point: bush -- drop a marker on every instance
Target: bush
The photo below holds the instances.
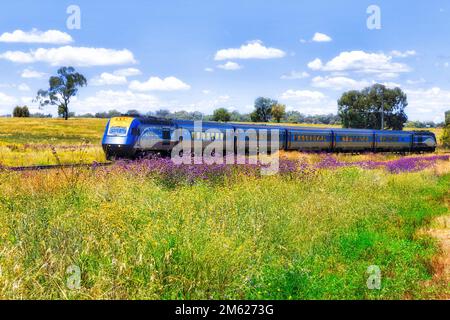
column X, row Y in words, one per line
column 446, row 136
column 221, row 115
column 21, row 112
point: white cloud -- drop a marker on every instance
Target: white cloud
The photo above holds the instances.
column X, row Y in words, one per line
column 303, row 95
column 122, row 101
column 5, row 99
column 321, row 37
column 23, row 87
column 405, row 54
column 230, row 66
column 428, row 104
column 36, row 36
column 209, row 69
column 388, row 84
column 7, row 103
column 128, row 72
column 106, row 79
column 346, row 83
column 339, row 83
column 252, row 50
column 387, row 75
column 74, row 56
column 118, row 77
column 360, row 61
column 309, row 102
column 32, row 74
column 316, row 64
column 414, row 82
column 208, row 105
column 294, row 75
column 206, row 91
column 158, row 84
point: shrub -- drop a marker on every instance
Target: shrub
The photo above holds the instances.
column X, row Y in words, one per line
column 21, row 112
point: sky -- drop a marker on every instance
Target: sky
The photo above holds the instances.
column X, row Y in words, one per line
column 202, row 55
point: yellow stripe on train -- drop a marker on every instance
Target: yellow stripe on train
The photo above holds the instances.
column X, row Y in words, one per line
column 121, row 122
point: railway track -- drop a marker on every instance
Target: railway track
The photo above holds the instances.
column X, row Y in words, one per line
column 55, row 167
column 78, row 165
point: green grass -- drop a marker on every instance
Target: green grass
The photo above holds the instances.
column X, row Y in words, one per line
column 264, row 238
column 244, row 237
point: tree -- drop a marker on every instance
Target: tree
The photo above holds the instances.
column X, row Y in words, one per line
column 263, row 109
column 363, row 109
column 21, row 112
column 221, row 115
column 278, row 112
column 61, row 89
column 133, row 113
column 107, row 115
column 162, row 113
column 446, row 134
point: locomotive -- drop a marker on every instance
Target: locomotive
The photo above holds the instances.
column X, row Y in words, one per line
column 134, row 136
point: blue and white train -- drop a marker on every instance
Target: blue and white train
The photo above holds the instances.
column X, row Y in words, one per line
column 131, row 137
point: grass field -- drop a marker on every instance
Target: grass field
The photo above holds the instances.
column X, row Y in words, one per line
column 30, row 141
column 134, row 233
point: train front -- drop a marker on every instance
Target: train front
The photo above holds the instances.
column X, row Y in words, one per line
column 120, row 137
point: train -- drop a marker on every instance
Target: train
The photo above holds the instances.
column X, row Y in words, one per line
column 134, row 136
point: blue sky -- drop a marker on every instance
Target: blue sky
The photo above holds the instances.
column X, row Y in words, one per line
column 201, row 55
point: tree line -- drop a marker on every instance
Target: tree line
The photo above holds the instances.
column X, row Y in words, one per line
column 375, row 107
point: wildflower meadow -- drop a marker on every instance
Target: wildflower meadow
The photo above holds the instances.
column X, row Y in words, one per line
column 149, row 229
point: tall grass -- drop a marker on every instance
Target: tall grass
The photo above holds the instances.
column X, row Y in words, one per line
column 245, row 237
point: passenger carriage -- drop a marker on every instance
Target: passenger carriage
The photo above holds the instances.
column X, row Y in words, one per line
column 130, row 137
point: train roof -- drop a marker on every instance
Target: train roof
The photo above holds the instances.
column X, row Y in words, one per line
column 230, row 125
